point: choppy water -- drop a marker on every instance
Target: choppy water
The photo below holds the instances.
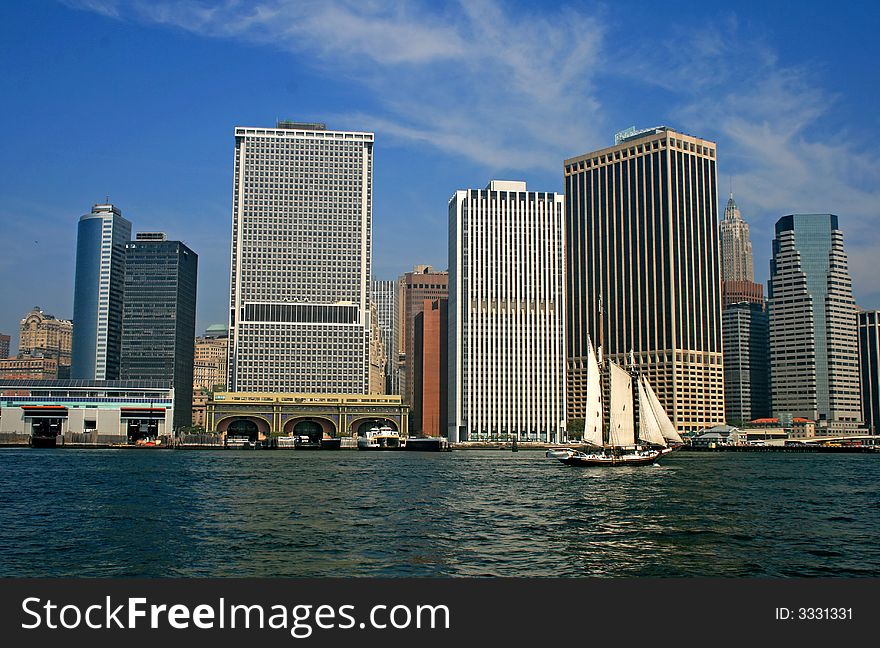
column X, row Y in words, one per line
column 106, row 513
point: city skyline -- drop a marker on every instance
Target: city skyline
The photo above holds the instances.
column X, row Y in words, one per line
column 787, row 141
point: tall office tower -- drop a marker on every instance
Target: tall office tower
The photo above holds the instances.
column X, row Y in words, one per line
column 814, row 356
column 301, row 236
column 642, row 225
column 746, row 344
column 737, row 270
column 423, row 283
column 385, row 295
column 869, row 365
column 431, row 368
column 40, row 334
column 4, row 345
column 506, row 314
column 98, row 293
column 159, row 316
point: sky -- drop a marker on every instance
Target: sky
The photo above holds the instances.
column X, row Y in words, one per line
column 135, row 101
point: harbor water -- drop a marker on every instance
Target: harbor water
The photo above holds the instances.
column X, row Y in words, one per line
column 114, row 513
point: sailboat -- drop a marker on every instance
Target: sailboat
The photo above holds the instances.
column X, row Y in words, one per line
column 657, row 435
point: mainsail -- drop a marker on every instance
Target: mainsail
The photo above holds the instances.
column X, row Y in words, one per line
column 593, row 415
column 622, row 432
column 667, row 429
column 649, row 426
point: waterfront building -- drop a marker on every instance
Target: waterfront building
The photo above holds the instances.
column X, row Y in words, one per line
column 423, row 283
column 98, row 292
column 378, row 359
column 814, row 356
column 506, row 314
column 869, row 366
column 87, row 411
column 27, row 367
column 210, row 357
column 260, row 415
column 746, row 344
column 5, row 340
column 643, row 269
column 386, row 295
column 299, row 318
column 159, row 316
column 431, row 369
column 44, row 335
column 200, row 408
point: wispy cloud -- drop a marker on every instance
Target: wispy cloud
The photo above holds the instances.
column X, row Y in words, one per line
column 519, row 90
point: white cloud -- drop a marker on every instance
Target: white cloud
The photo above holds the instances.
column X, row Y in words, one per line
column 518, row 90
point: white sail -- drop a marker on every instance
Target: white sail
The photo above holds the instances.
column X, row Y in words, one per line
column 649, row 426
column 593, row 415
column 667, row 429
column 622, row 432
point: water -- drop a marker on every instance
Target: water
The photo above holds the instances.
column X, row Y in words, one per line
column 109, row 513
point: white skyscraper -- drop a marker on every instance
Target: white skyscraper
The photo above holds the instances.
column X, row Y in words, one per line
column 506, row 314
column 301, row 237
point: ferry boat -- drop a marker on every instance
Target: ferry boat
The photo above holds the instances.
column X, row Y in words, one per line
column 305, row 442
column 240, row 442
column 381, row 438
column 657, row 437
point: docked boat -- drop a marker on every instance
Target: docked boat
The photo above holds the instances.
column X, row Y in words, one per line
column 241, row 442
column 381, row 438
column 618, row 446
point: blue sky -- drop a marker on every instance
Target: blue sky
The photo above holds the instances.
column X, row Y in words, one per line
column 137, row 101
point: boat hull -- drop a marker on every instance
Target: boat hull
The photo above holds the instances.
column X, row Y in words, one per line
column 594, row 460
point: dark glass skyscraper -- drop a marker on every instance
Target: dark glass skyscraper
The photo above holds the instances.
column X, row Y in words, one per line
column 869, row 365
column 814, row 359
column 97, row 293
column 159, row 317
column 746, row 361
column 642, row 240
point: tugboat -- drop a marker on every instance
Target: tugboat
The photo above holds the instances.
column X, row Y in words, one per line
column 657, row 436
column 381, row 438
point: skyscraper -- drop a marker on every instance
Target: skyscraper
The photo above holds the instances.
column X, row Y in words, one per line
column 746, row 341
column 386, row 296
column 869, row 365
column 159, row 317
column 423, row 283
column 506, row 314
column 744, row 324
column 301, row 237
column 813, row 331
column 4, row 346
column 642, row 241
column 431, row 368
column 98, row 292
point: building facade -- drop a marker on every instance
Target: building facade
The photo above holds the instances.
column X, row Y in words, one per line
column 88, row 411
column 814, row 356
column 44, row 335
column 506, row 314
column 25, row 367
column 869, row 368
column 431, row 369
column 378, row 359
column 159, row 316
column 737, row 268
column 643, row 269
column 746, row 342
column 423, row 283
column 386, row 296
column 4, row 346
column 209, row 366
column 301, row 245
column 98, row 293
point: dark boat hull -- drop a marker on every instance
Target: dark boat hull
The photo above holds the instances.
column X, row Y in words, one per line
column 615, row 460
